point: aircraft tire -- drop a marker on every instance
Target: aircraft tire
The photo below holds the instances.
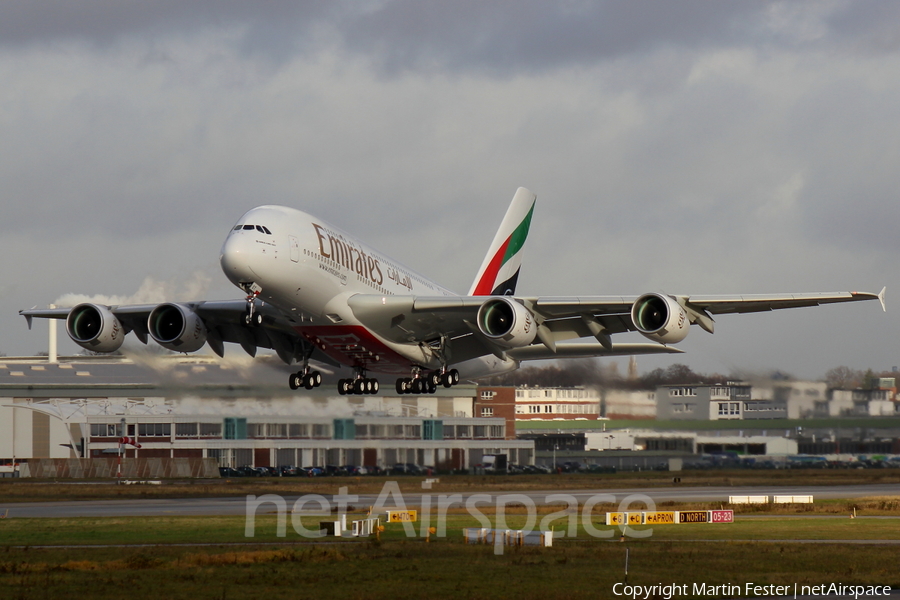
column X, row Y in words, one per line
column 342, row 390
column 317, row 378
column 374, row 387
column 292, row 381
column 454, row 376
column 359, row 386
column 401, row 385
column 309, row 381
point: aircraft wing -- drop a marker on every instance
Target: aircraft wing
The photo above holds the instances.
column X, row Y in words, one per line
column 425, row 319
column 761, row 302
column 224, row 321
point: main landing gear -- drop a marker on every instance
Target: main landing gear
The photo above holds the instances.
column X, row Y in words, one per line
column 305, row 379
column 358, row 385
column 427, row 383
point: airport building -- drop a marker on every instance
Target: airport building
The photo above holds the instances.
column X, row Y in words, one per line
column 577, row 403
column 774, row 400
column 692, row 402
column 238, row 412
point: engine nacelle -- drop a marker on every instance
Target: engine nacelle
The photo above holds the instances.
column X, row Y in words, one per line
column 95, row 328
column 507, row 323
column 660, row 318
column 176, row 327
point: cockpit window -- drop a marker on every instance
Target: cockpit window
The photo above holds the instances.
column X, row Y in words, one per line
column 259, row 228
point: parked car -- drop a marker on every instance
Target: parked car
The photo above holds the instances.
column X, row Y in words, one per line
column 355, row 470
column 228, row 472
column 537, row 469
column 288, row 471
column 600, row 469
column 313, row 471
column 406, row 469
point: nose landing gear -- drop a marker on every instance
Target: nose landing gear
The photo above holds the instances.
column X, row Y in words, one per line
column 251, row 317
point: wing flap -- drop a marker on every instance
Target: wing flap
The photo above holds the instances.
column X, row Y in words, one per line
column 588, row 350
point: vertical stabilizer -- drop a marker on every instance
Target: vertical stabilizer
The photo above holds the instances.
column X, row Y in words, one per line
column 500, row 270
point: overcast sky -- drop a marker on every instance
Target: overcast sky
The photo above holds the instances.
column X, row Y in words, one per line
column 682, row 147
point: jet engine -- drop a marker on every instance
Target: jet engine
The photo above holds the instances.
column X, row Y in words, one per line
column 95, row 328
column 506, row 323
column 176, row 327
column 660, row 318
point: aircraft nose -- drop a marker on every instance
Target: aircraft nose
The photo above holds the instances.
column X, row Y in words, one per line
column 237, row 256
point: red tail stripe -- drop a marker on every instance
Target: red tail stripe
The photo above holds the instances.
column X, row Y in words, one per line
column 486, row 283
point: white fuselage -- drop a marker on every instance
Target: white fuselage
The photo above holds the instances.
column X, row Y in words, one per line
column 308, row 269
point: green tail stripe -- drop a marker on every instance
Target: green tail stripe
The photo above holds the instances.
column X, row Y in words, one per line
column 517, row 239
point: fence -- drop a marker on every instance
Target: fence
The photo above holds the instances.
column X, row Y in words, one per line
column 132, row 468
column 748, row 499
column 792, row 499
column 775, row 499
column 508, row 537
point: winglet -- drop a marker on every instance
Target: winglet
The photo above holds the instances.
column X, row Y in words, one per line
column 28, row 318
column 881, row 298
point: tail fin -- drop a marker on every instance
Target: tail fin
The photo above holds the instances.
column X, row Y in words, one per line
column 500, row 270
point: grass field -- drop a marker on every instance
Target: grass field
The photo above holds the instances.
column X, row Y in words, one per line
column 209, row 557
column 88, row 531
column 221, row 563
column 414, row 569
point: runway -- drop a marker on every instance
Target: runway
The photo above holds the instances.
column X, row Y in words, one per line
column 310, row 503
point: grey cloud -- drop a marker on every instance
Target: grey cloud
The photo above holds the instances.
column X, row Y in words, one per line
column 106, row 21
column 868, row 26
column 504, row 37
column 513, row 36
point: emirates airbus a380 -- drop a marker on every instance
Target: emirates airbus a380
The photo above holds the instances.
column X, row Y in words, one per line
column 316, row 293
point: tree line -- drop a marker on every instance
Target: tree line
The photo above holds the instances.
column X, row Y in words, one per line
column 592, row 373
